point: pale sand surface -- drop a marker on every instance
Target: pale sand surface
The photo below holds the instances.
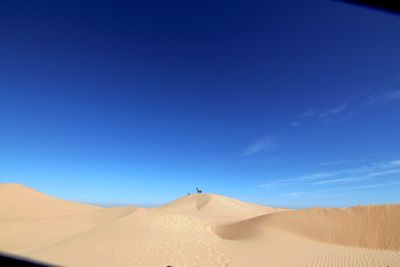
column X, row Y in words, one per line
column 196, row 230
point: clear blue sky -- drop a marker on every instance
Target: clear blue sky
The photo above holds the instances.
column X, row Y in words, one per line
column 274, row 102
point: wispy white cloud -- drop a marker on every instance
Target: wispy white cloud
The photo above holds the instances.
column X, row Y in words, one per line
column 320, row 114
column 351, row 106
column 382, row 96
column 308, row 113
column 362, row 173
column 395, row 162
column 264, row 144
column 317, row 175
column 332, row 111
column 340, row 180
column 393, row 94
column 346, row 161
column 265, row 186
column 374, row 185
column 295, row 194
column 309, row 195
column 380, row 173
column 338, row 109
column 296, row 180
column 327, row 192
column 296, row 123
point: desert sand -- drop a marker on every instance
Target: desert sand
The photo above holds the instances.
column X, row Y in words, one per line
column 195, row 230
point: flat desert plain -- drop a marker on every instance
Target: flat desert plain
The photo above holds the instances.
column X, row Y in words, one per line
column 195, row 230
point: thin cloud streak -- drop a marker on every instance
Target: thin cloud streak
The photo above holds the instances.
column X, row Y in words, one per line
column 338, row 109
column 295, row 123
column 351, row 106
column 338, row 180
column 370, row 171
column 375, row 185
column 264, row 144
column 328, row 192
column 380, row 173
column 332, row 111
column 316, row 176
column 386, row 95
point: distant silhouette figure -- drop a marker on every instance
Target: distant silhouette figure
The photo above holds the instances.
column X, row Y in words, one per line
column 188, row 193
column 199, row 191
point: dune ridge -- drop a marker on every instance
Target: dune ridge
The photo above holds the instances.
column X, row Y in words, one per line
column 18, row 201
column 216, row 208
column 374, row 227
column 195, row 230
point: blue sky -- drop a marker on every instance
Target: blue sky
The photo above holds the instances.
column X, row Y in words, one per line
column 276, row 103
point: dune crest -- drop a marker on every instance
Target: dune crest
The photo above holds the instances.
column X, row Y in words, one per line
column 19, row 201
column 217, row 208
column 195, row 230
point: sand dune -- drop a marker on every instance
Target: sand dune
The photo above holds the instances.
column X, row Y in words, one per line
column 196, row 230
column 28, row 234
column 217, row 208
column 18, row 201
column 375, row 227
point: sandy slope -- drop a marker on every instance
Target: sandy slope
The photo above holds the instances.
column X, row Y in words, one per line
column 18, row 201
column 375, row 227
column 216, row 208
column 196, row 230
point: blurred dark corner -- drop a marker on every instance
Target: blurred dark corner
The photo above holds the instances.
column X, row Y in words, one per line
column 392, row 6
column 7, row 260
